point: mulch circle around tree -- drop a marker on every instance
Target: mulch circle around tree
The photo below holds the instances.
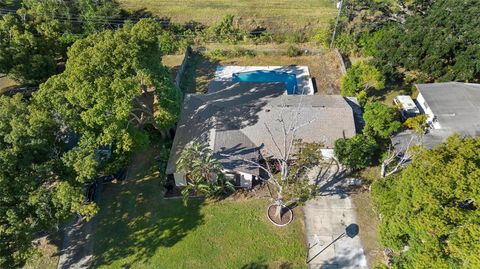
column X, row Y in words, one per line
column 286, row 216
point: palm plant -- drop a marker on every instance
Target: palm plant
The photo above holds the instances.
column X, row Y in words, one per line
column 203, row 172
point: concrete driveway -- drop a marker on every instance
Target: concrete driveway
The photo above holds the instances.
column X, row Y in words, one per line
column 326, row 218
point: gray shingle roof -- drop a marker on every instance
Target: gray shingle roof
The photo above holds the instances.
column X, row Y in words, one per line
column 233, row 117
column 456, row 105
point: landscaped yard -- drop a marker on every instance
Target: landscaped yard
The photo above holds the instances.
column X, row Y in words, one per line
column 138, row 228
column 278, row 15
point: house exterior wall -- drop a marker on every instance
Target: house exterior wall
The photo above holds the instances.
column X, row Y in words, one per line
column 327, row 153
column 180, row 179
column 428, row 111
column 245, row 180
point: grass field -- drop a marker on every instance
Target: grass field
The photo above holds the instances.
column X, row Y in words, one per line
column 276, row 15
column 138, row 228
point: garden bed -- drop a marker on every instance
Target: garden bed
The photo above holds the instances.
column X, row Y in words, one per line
column 286, row 215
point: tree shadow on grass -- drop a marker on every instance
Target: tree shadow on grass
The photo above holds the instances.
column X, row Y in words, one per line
column 135, row 221
column 200, row 70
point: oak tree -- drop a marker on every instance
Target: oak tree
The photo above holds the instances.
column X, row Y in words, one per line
column 429, row 211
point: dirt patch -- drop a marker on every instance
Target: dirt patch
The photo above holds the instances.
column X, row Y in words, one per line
column 46, row 252
column 286, row 215
column 6, row 83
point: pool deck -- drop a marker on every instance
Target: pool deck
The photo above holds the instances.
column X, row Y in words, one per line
column 305, row 85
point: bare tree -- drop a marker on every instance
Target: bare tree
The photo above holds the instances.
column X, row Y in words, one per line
column 402, row 156
column 282, row 152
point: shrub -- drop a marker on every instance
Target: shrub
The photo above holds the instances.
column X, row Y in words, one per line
column 225, row 31
column 357, row 152
column 322, row 37
column 345, row 43
column 169, row 42
column 362, row 76
column 417, row 123
column 380, row 120
column 237, row 52
column 293, row 51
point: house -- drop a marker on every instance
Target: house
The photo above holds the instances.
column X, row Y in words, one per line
column 237, row 120
column 451, row 107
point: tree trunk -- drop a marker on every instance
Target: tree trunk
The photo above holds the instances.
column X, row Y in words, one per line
column 279, row 210
column 284, row 168
column 382, row 170
column 163, row 134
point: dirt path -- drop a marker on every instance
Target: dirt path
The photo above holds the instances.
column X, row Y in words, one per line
column 77, row 245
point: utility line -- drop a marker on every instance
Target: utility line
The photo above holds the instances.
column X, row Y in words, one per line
column 119, row 22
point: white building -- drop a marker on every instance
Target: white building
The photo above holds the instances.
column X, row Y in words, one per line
column 451, row 106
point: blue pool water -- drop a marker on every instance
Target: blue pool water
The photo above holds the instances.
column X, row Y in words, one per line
column 290, row 80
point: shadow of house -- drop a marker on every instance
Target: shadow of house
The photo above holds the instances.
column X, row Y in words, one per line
column 154, row 223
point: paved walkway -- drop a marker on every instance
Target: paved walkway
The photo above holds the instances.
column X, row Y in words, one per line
column 326, row 218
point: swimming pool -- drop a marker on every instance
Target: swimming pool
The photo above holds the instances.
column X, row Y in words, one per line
column 290, row 80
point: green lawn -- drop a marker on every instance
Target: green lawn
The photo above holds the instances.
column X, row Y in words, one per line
column 137, row 228
column 277, row 15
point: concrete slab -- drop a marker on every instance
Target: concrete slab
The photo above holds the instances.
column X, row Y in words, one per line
column 304, row 81
column 326, row 218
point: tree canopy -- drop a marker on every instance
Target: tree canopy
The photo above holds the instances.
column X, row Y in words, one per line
column 423, row 40
column 357, row 152
column 34, row 39
column 429, row 212
column 113, row 85
column 380, row 120
column 360, row 78
column 37, row 190
column 29, row 47
column 203, row 172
